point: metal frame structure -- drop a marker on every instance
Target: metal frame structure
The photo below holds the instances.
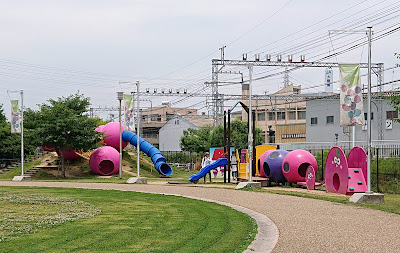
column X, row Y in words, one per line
column 217, row 65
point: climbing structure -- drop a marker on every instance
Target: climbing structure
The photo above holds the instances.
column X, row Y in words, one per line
column 346, row 175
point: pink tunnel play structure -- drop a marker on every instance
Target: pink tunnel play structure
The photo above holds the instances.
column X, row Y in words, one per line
column 111, row 134
column 104, row 161
column 346, row 175
column 295, row 164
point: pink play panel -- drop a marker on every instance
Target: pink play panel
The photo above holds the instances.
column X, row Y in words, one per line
column 346, row 176
column 336, row 171
column 357, row 182
column 310, row 178
column 358, row 159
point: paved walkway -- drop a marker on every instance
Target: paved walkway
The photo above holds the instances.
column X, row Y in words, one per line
column 305, row 225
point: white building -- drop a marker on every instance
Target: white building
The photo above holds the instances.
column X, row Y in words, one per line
column 172, row 131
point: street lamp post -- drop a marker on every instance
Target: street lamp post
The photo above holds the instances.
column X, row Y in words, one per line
column 120, row 96
column 138, row 131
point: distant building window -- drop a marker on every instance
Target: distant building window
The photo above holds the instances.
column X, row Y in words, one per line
column 296, row 91
column 281, row 115
column 292, row 115
column 366, row 117
column 314, row 121
column 392, row 115
column 329, row 119
column 145, row 118
column 301, row 115
column 169, row 116
column 261, row 116
column 271, row 115
column 155, row 117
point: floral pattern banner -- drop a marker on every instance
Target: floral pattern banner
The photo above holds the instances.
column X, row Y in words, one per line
column 351, row 98
column 129, row 117
column 15, row 117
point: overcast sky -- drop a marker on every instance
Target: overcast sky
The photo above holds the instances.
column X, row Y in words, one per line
column 55, row 48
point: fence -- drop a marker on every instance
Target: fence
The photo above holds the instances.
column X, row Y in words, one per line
column 385, row 162
column 182, row 159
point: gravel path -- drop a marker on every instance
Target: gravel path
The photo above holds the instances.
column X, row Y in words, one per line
column 305, row 225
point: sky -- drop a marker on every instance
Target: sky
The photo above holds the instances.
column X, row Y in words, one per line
column 52, row 49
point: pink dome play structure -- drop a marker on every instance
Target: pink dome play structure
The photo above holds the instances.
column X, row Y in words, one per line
column 104, row 161
column 295, row 164
column 69, row 154
column 346, row 175
column 261, row 162
column 99, row 128
column 111, row 135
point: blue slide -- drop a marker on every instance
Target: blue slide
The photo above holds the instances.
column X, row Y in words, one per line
column 160, row 162
column 206, row 169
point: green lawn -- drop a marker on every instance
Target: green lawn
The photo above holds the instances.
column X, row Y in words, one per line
column 117, row 221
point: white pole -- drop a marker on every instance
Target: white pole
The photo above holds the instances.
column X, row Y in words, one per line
column 22, row 132
column 138, row 131
column 250, row 138
column 369, row 113
column 353, row 136
column 120, row 138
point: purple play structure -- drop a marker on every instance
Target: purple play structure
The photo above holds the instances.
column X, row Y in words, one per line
column 295, row 165
column 104, row 161
column 262, row 160
column 273, row 166
column 346, row 175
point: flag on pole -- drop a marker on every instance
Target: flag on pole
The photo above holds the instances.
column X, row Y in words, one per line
column 15, row 117
column 129, row 109
column 351, row 99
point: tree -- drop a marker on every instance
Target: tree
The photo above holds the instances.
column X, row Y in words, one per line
column 64, row 125
column 196, row 140
column 200, row 140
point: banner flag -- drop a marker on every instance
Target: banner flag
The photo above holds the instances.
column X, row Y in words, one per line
column 129, row 117
column 351, row 98
column 15, row 117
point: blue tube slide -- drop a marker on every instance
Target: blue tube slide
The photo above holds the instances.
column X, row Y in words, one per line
column 206, row 169
column 160, row 163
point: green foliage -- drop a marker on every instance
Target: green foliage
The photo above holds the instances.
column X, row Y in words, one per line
column 181, row 157
column 200, row 140
column 63, row 124
column 196, row 140
column 10, row 144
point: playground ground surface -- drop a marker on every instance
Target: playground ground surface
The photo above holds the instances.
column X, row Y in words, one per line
column 305, row 224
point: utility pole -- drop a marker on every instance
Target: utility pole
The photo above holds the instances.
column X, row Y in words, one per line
column 22, row 132
column 369, row 135
column 250, row 137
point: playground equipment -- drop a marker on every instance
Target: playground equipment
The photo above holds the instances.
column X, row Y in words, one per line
column 104, row 161
column 69, row 154
column 261, row 160
column 111, row 134
column 295, row 165
column 160, row 162
column 243, row 163
column 346, row 175
column 203, row 172
column 273, row 166
column 260, row 150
